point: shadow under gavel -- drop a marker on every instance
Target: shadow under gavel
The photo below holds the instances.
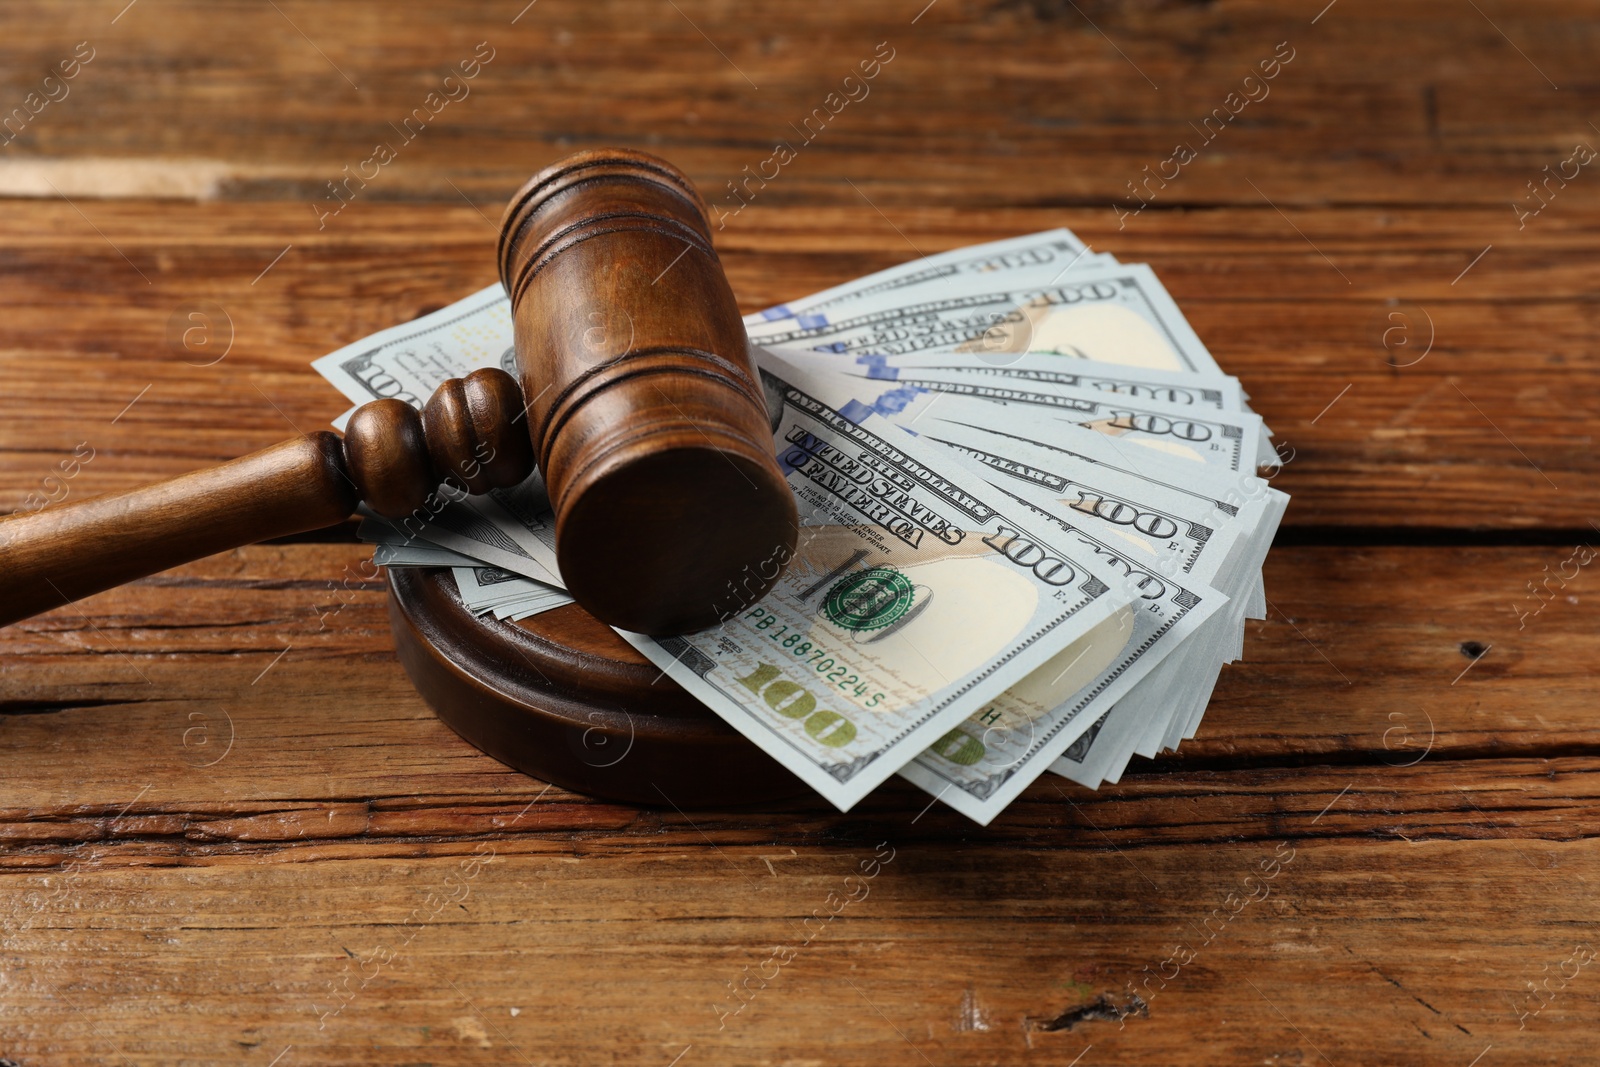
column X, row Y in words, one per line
column 653, row 440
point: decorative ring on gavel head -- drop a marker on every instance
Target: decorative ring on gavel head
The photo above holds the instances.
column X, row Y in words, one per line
column 645, row 413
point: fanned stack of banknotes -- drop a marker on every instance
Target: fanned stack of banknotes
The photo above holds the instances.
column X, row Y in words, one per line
column 1032, row 523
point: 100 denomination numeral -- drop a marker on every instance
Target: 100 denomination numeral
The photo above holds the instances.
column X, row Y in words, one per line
column 1014, row 546
column 1160, row 424
column 1125, row 514
column 792, row 701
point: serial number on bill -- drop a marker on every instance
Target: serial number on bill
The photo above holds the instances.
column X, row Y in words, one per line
column 794, row 642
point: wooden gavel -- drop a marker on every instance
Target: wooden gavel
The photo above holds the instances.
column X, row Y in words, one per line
column 654, row 442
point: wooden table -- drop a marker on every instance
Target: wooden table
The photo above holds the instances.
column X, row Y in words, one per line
column 233, row 833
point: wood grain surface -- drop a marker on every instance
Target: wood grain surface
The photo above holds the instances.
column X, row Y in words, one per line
column 232, row 832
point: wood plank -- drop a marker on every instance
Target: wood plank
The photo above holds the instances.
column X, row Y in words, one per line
column 1381, row 104
column 572, row 946
column 1488, row 428
column 1538, row 802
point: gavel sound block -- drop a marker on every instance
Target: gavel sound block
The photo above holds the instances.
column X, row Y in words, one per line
column 640, row 407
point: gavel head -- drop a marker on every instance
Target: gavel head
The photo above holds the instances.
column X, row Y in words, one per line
column 645, row 414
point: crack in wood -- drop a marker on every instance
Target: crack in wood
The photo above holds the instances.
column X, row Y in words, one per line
column 51, row 707
column 1101, row 1009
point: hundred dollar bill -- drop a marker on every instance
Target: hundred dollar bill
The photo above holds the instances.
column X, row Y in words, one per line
column 533, row 604
column 528, row 505
column 1036, row 453
column 1166, row 528
column 1116, row 314
column 1099, row 755
column 1158, row 537
column 980, row 766
column 1203, row 391
column 1124, row 736
column 1193, row 534
column 476, row 527
column 482, row 588
column 1178, row 546
column 385, row 554
column 406, row 543
column 1079, row 468
column 487, row 590
column 1261, row 506
column 524, row 609
column 409, row 361
column 1225, row 439
column 479, row 526
column 1270, row 504
column 969, row 424
column 1112, row 314
column 1057, row 251
column 917, row 594
column 1077, row 753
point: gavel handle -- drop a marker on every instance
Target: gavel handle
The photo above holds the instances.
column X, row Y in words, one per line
column 61, row 554
column 391, row 456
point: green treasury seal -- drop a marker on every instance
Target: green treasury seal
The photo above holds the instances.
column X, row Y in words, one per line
column 870, row 599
